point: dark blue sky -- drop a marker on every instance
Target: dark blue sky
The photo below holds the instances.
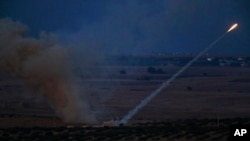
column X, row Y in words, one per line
column 137, row 26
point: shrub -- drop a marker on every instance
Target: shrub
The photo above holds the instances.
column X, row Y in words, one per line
column 123, row 72
column 189, row 88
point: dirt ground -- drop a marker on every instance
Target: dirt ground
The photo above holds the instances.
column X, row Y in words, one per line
column 200, row 92
column 201, row 104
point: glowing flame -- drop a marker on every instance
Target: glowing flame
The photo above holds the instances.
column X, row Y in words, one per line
column 232, row 27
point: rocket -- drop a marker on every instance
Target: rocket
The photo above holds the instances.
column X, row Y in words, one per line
column 232, row 27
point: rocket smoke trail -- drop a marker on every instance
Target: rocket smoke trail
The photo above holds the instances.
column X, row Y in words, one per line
column 131, row 113
column 45, row 68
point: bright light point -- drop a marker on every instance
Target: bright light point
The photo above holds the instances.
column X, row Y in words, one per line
column 232, row 27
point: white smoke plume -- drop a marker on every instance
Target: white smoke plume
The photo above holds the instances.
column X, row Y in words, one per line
column 44, row 66
column 146, row 100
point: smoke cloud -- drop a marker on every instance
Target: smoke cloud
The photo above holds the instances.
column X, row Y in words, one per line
column 44, row 66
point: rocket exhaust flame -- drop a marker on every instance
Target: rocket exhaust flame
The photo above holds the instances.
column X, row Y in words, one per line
column 132, row 112
column 232, row 27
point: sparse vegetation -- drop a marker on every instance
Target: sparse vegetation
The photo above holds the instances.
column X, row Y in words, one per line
column 123, row 72
column 189, row 88
column 153, row 70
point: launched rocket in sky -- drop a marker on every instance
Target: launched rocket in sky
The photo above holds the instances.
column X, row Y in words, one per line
column 146, row 100
column 232, row 27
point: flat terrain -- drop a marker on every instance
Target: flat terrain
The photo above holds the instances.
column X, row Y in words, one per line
column 179, row 130
column 200, row 92
column 211, row 98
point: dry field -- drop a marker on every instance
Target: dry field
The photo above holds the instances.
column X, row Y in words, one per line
column 179, row 130
column 200, row 92
column 200, row 104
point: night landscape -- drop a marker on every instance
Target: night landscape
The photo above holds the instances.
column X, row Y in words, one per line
column 123, row 70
